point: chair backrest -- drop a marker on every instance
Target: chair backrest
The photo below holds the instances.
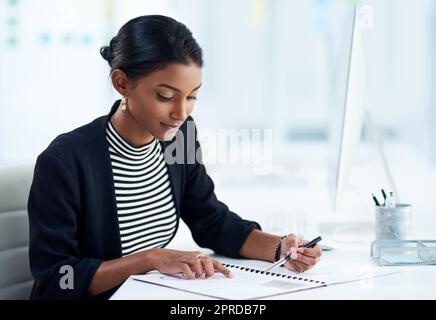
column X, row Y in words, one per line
column 15, row 278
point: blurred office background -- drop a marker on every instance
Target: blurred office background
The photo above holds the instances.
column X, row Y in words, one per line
column 269, row 64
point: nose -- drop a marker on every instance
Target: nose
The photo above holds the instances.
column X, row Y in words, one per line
column 179, row 112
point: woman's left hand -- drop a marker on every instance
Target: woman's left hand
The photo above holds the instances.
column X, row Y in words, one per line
column 302, row 259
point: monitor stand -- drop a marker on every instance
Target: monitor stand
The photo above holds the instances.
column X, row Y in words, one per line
column 353, row 219
column 377, row 140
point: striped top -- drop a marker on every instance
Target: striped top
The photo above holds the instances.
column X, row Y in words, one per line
column 146, row 211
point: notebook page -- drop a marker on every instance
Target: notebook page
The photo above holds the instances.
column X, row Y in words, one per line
column 244, row 285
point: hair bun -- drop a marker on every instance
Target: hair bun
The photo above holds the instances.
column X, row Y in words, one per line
column 106, row 53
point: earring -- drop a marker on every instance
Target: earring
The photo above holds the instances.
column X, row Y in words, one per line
column 124, row 105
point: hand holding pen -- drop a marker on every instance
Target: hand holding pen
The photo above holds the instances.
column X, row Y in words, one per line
column 299, row 256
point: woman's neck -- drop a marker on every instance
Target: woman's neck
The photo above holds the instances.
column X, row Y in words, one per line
column 129, row 129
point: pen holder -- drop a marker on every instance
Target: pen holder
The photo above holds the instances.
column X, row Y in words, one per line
column 393, row 223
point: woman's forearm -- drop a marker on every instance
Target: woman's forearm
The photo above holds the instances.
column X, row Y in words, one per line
column 259, row 245
column 112, row 273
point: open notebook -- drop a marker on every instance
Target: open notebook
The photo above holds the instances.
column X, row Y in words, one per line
column 247, row 283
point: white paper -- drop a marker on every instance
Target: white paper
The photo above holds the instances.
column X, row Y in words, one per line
column 244, row 284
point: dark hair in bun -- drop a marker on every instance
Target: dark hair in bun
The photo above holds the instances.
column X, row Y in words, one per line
column 149, row 43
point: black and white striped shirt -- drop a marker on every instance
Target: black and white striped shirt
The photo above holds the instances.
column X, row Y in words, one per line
column 146, row 211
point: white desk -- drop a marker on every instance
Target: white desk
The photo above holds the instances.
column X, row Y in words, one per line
column 238, row 191
column 413, row 282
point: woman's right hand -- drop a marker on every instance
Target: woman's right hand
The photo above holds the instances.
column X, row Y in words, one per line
column 191, row 263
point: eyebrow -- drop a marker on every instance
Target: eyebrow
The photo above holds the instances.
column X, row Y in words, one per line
column 175, row 89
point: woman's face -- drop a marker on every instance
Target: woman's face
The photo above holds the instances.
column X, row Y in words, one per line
column 160, row 102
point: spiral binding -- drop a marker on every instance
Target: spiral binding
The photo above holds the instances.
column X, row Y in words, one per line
column 268, row 273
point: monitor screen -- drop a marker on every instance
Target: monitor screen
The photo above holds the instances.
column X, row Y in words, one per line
column 348, row 113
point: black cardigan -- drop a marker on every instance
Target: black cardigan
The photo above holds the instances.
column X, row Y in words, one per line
column 73, row 215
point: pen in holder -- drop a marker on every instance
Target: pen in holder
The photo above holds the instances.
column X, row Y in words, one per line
column 393, row 223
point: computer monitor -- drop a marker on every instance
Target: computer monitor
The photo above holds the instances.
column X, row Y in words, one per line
column 349, row 111
column 347, row 103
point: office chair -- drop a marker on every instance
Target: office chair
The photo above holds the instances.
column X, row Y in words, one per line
column 15, row 278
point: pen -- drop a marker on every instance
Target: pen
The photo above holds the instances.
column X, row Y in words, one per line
column 310, row 244
column 390, row 201
column 384, row 196
column 375, row 200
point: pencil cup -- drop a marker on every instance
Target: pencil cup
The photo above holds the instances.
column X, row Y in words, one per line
column 393, row 223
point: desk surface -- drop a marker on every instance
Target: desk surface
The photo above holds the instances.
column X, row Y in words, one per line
column 411, row 282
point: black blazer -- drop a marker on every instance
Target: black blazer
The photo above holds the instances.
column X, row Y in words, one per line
column 73, row 215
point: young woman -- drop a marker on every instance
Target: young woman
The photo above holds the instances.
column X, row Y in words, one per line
column 105, row 201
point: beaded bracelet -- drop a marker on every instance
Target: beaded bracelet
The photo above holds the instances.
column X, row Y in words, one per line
column 278, row 249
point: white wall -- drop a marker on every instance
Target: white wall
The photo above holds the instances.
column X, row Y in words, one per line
column 267, row 65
